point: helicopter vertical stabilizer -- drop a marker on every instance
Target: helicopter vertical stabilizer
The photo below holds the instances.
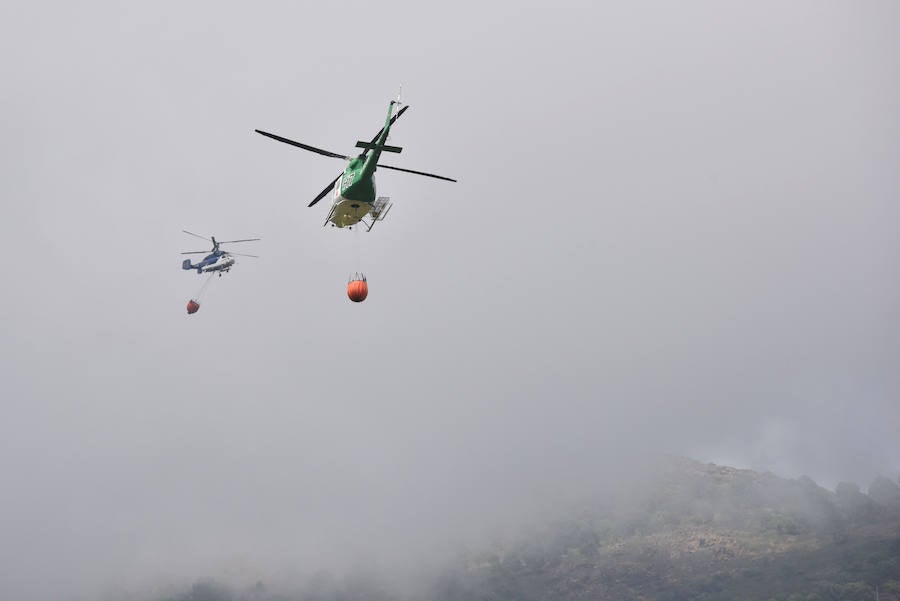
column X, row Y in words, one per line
column 187, row 264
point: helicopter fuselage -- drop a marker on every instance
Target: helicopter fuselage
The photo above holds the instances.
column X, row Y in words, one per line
column 223, row 264
column 354, row 195
column 216, row 261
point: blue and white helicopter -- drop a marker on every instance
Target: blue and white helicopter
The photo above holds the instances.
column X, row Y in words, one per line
column 216, row 260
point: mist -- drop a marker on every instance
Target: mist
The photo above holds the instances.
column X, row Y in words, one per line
column 674, row 232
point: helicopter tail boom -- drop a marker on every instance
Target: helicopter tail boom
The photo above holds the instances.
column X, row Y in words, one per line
column 186, row 265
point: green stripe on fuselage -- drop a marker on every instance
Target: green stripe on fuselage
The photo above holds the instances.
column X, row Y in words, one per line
column 358, row 182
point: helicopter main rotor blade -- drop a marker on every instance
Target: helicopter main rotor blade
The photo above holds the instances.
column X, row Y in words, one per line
column 326, row 190
column 378, row 135
column 327, row 153
column 197, row 235
column 244, row 255
column 417, row 172
column 196, row 252
column 245, row 240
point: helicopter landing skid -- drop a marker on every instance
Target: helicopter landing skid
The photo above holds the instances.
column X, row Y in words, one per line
column 380, row 209
column 330, row 215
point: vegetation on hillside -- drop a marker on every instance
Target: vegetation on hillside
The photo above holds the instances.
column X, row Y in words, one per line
column 697, row 532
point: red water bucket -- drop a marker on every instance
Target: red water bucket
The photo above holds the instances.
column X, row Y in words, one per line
column 357, row 288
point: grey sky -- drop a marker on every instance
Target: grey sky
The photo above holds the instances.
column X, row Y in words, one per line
column 675, row 231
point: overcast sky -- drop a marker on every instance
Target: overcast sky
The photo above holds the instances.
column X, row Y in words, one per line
column 675, row 231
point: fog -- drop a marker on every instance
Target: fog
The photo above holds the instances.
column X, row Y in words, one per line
column 675, row 231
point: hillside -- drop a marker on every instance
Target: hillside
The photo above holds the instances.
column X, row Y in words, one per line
column 693, row 531
column 703, row 532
